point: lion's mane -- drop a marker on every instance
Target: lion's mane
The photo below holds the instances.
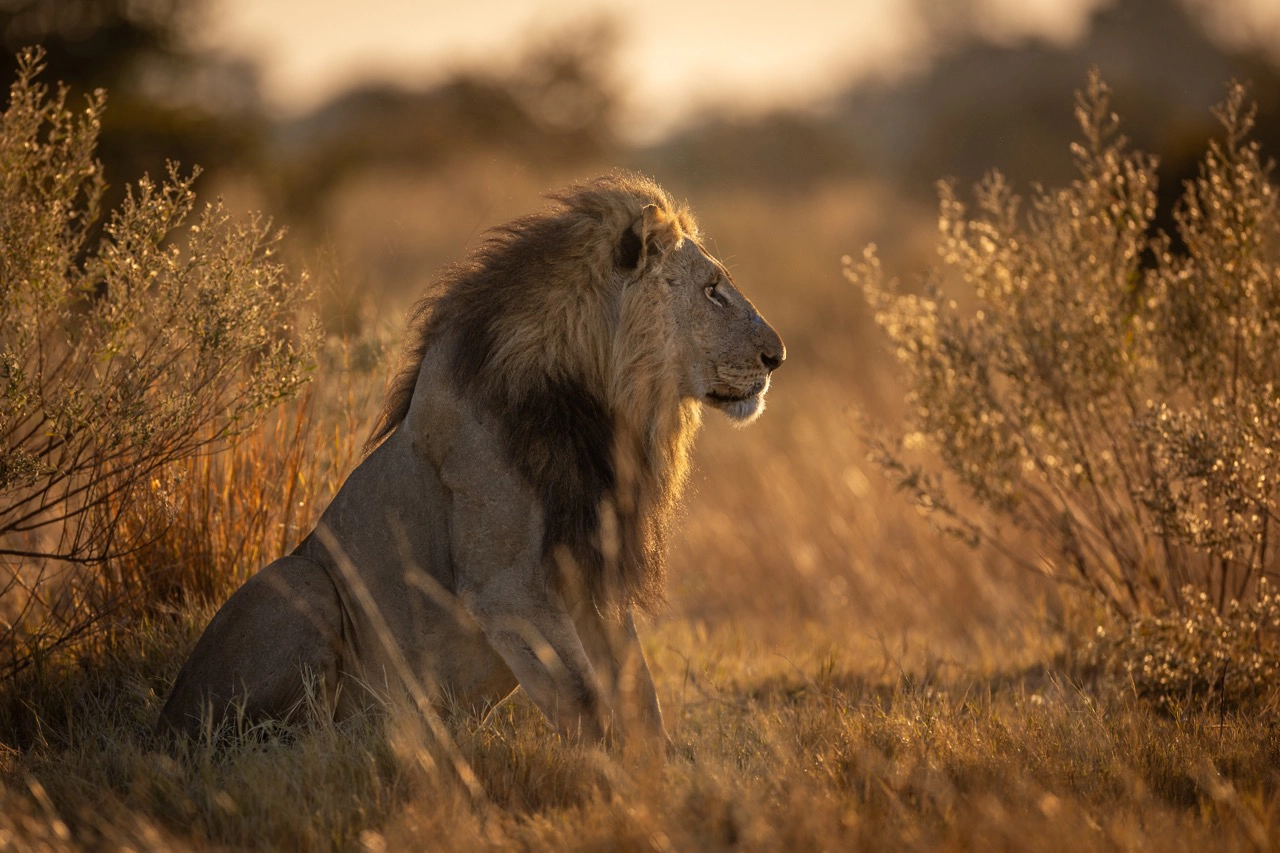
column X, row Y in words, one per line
column 542, row 332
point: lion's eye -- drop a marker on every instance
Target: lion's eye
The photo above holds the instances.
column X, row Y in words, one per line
column 711, row 294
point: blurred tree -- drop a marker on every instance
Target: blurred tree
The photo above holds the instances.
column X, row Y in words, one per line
column 555, row 104
column 982, row 104
column 978, row 100
column 94, row 43
column 784, row 149
column 565, row 83
column 168, row 101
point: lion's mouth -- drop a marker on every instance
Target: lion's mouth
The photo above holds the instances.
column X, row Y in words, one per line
column 741, row 407
column 716, row 397
column 738, row 396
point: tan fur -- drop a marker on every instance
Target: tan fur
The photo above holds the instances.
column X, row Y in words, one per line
column 519, row 484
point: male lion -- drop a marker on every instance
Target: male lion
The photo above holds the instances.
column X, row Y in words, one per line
column 511, row 513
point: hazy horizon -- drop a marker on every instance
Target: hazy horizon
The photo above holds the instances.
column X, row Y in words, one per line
column 674, row 59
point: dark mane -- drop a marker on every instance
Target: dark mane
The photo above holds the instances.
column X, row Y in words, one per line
column 471, row 295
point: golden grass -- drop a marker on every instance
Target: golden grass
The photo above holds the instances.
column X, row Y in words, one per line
column 818, row 743
column 226, row 515
column 834, row 675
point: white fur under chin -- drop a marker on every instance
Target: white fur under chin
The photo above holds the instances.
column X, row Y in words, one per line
column 743, row 412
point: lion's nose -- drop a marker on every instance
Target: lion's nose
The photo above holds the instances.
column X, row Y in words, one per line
column 773, row 360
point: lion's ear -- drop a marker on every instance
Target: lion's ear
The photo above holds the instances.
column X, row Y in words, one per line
column 630, row 248
column 649, row 239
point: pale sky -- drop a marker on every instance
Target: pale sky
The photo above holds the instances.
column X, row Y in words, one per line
column 674, row 54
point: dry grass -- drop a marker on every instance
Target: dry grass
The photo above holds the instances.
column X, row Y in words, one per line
column 816, row 743
column 228, row 514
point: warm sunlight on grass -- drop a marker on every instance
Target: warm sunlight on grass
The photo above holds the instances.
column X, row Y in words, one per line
column 814, row 742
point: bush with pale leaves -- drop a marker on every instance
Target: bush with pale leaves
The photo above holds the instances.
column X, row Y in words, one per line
column 1083, row 380
column 165, row 334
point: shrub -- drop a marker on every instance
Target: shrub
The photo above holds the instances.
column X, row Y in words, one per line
column 1082, row 379
column 1200, row 654
column 123, row 353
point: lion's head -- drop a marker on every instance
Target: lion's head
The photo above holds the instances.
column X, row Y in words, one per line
column 718, row 349
column 592, row 333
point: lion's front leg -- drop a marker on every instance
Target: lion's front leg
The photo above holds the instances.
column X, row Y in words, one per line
column 623, row 673
column 496, row 532
column 541, row 645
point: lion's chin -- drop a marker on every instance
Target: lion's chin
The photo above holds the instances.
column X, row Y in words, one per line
column 742, row 410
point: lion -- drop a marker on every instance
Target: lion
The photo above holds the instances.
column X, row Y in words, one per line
column 508, row 517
